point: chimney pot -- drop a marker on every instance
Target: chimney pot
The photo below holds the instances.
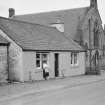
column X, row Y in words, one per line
column 93, row 3
column 11, row 12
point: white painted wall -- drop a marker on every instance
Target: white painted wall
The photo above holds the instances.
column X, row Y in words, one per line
column 51, row 65
column 32, row 73
column 29, row 67
column 65, row 67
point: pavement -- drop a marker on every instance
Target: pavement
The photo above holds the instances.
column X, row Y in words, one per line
column 15, row 90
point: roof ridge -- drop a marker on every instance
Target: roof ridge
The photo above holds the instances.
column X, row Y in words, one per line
column 51, row 11
column 26, row 22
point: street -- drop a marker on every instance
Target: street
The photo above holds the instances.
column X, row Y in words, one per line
column 84, row 94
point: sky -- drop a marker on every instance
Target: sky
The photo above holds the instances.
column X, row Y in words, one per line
column 35, row 6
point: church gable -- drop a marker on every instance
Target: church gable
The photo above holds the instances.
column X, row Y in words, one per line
column 92, row 26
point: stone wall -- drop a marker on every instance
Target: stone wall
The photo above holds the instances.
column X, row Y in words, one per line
column 15, row 60
column 67, row 69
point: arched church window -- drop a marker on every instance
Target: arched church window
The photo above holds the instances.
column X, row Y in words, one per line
column 96, row 34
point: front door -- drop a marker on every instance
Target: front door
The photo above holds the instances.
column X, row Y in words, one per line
column 56, row 64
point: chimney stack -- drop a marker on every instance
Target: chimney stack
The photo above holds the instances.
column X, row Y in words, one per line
column 11, row 12
column 93, row 3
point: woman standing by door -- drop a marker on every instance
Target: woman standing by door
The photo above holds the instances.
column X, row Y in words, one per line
column 45, row 71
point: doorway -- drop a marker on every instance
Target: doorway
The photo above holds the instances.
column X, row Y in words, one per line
column 56, row 64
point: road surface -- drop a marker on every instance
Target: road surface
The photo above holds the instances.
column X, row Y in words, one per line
column 84, row 94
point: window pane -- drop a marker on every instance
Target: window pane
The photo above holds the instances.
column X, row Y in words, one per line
column 37, row 63
column 37, row 55
column 44, row 61
column 75, row 58
column 44, row 56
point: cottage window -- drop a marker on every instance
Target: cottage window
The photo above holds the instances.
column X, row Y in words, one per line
column 71, row 58
column 40, row 58
column 74, row 58
column 44, row 58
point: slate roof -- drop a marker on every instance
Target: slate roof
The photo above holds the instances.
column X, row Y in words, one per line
column 72, row 19
column 3, row 40
column 36, row 37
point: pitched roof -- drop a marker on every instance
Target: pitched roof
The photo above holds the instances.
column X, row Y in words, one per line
column 36, row 37
column 3, row 40
column 72, row 19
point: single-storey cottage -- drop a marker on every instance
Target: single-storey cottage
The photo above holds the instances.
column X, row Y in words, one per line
column 32, row 44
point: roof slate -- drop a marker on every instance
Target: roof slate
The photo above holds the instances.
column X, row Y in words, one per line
column 3, row 40
column 72, row 19
column 36, row 37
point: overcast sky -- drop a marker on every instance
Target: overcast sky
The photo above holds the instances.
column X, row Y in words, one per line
column 35, row 6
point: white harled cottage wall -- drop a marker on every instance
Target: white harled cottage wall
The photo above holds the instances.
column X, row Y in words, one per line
column 29, row 66
column 51, row 65
column 15, row 60
column 65, row 67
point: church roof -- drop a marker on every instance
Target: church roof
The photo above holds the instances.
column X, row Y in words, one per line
column 36, row 37
column 72, row 19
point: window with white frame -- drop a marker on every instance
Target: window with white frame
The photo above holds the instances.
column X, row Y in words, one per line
column 74, row 58
column 40, row 58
